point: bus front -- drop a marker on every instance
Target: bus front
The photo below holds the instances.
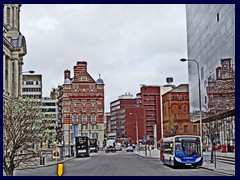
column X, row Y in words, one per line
column 187, row 151
column 93, row 145
column 82, row 146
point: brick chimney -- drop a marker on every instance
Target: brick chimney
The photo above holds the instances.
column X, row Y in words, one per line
column 80, row 67
column 67, row 74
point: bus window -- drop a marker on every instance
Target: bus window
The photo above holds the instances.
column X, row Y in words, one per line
column 191, row 148
column 167, row 148
column 178, row 150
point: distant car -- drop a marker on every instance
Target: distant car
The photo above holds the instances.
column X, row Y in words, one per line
column 130, row 149
column 118, row 148
column 110, row 149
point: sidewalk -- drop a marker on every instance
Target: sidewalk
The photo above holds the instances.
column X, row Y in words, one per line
column 49, row 162
column 220, row 166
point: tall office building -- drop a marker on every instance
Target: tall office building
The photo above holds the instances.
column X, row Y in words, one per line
column 210, row 38
column 211, row 43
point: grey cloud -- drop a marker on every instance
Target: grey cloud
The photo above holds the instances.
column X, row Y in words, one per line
column 128, row 45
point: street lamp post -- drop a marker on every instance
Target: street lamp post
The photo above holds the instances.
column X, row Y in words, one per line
column 31, row 72
column 136, row 128
column 199, row 86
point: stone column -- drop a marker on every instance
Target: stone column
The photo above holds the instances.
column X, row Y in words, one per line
column 16, row 78
column 9, row 78
column 15, row 18
column 20, row 76
column 4, row 83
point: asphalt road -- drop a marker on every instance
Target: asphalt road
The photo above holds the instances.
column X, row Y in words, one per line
column 121, row 163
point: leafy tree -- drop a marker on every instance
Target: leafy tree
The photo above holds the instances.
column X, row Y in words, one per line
column 22, row 130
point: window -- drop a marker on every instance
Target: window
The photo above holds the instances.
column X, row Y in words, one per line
column 66, row 109
column 75, row 120
column 84, row 109
column 67, row 102
column 91, row 86
column 84, row 101
column 185, row 128
column 84, row 119
column 95, row 135
column 167, row 148
column 195, row 128
column 217, row 17
column 93, row 119
column 29, row 82
column 84, row 78
column 184, row 108
column 176, row 127
column 202, row 73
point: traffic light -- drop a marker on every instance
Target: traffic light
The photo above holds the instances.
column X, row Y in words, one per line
column 59, row 135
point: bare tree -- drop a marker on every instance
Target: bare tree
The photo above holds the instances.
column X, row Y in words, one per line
column 170, row 129
column 22, row 129
column 212, row 127
column 213, row 121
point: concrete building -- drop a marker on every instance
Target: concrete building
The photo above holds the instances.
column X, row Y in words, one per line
column 32, row 86
column 14, row 49
column 82, row 105
column 176, row 118
column 50, row 110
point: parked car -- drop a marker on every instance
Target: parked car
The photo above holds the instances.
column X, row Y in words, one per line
column 130, row 149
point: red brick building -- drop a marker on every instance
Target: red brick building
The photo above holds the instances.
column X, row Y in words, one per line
column 125, row 115
column 82, row 104
column 176, row 110
column 150, row 101
column 221, row 104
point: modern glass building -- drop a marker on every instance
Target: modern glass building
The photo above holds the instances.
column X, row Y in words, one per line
column 210, row 38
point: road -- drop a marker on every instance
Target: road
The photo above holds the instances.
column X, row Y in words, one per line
column 121, row 163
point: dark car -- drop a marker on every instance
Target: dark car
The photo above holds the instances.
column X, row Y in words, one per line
column 110, row 149
column 130, row 149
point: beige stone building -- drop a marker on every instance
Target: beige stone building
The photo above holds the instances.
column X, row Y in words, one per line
column 14, row 49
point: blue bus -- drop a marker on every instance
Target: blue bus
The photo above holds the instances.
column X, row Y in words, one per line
column 181, row 150
column 82, row 146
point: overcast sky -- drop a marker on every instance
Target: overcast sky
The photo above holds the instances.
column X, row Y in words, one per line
column 128, row 45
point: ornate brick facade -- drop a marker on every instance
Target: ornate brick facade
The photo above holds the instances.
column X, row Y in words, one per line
column 176, row 110
column 83, row 104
